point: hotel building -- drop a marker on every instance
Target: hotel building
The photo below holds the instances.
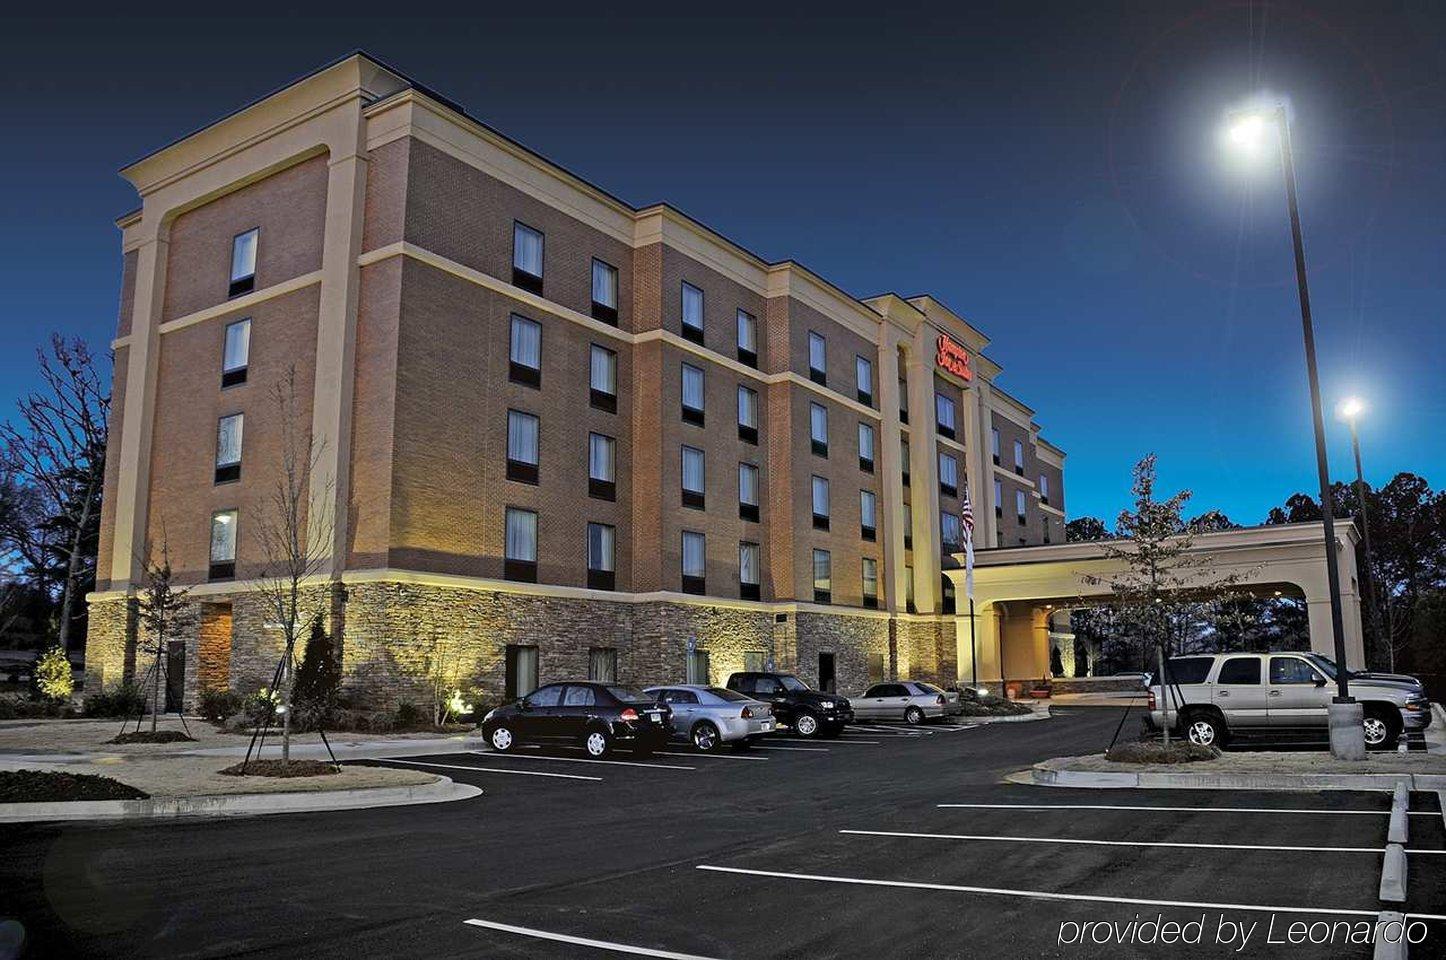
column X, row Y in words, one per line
column 549, row 433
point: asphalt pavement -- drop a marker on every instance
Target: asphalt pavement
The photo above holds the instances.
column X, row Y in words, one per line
column 883, row 843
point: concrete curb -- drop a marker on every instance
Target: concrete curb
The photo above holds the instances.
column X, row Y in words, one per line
column 443, row 790
column 1390, row 949
column 1393, row 874
column 1398, row 830
column 1018, row 718
column 363, row 750
column 1101, row 779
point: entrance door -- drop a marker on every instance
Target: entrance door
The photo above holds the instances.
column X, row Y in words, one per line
column 521, row 672
column 175, row 675
column 825, row 673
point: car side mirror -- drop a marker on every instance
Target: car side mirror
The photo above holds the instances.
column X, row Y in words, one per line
column 524, row 704
column 1320, row 681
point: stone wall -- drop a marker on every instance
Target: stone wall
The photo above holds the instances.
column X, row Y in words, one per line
column 851, row 640
column 109, row 644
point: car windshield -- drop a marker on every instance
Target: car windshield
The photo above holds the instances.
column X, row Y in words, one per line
column 1326, row 664
column 626, row 694
column 732, row 696
column 790, row 682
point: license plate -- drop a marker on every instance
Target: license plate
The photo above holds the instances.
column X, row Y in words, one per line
column 656, row 717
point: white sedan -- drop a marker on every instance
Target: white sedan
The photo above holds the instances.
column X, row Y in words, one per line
column 906, row 700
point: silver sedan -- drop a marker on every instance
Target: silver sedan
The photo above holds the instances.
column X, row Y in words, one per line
column 713, row 716
column 905, row 700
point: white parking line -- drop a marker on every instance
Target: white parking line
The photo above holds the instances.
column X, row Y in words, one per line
column 706, row 756
column 584, row 941
column 1121, row 843
column 796, row 749
column 616, row 763
column 830, row 742
column 1102, row 806
column 463, row 766
column 1038, row 894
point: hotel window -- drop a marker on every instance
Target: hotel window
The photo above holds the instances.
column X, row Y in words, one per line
column 864, row 374
column 1046, row 529
column 601, row 545
column 525, row 356
column 693, row 478
column 526, row 257
column 228, row 448
column 822, row 577
column 818, row 428
column 520, row 557
column 903, row 400
column 748, row 492
column 692, row 313
column 243, row 262
column 1044, row 489
column 909, row 604
column 604, row 292
column 908, row 526
column 692, row 395
column 820, row 503
column 747, row 414
column 1019, row 506
column 951, row 531
column 603, row 383
column 994, row 444
column 1019, row 458
column 868, row 515
column 866, row 448
column 748, row 575
column 998, row 499
column 522, row 430
column 944, row 415
column 871, row 582
column 948, row 475
column 236, row 354
column 747, row 338
column 946, row 595
column 817, row 359
column 904, row 458
column 520, row 676
column 602, row 665
column 602, row 467
column 223, row 545
column 693, row 562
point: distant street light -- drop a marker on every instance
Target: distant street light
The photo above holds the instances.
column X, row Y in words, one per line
column 1350, row 411
column 1248, row 132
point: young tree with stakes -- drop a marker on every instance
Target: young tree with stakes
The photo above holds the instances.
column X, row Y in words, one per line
column 156, row 607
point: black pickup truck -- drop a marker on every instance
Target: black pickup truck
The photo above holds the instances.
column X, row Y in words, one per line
column 796, row 705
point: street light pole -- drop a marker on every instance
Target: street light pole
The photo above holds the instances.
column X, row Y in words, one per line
column 1370, row 577
column 1347, row 739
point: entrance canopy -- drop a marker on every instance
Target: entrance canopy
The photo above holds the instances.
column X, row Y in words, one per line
column 1016, row 588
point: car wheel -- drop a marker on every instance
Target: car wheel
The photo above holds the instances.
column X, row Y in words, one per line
column 1203, row 730
column 1380, row 732
column 502, row 738
column 806, row 724
column 913, row 716
column 597, row 744
column 706, row 737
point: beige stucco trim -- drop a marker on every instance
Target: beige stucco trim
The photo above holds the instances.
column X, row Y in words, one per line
column 1048, row 508
column 1004, row 471
column 1049, row 453
column 954, row 445
column 244, row 303
column 1011, row 409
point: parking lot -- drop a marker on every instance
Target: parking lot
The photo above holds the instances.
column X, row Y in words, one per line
column 888, row 841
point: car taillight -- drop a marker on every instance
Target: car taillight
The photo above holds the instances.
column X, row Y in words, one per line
column 628, row 714
column 940, row 700
column 746, row 714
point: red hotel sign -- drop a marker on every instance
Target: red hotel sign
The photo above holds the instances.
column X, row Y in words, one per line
column 953, row 357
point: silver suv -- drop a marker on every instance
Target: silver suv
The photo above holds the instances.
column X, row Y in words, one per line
column 1216, row 695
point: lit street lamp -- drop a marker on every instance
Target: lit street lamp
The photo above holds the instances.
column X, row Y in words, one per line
column 1248, row 132
column 1350, row 411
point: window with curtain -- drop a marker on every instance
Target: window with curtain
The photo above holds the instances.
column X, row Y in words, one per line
column 868, row 510
column 864, row 372
column 601, row 542
column 866, row 446
column 223, row 536
column 903, row 399
column 243, row 261
column 818, row 427
column 994, row 443
column 948, row 474
column 748, row 570
column 236, row 354
column 998, row 498
column 817, row 353
column 603, row 370
column 602, row 665
column 693, row 553
column 820, row 498
column 871, row 581
column 522, row 433
column 692, row 390
column 521, row 535
column 904, row 455
column 748, row 408
column 692, row 311
column 526, row 249
column 822, row 576
column 1019, row 504
column 604, row 284
column 601, row 457
column 1018, row 457
column 228, row 440
column 747, row 337
column 951, row 530
column 526, row 347
column 693, row 489
column 944, row 414
column 748, row 492
column 908, row 526
column 909, row 588
column 1044, row 487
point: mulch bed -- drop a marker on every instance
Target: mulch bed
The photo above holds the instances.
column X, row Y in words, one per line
column 281, row 768
column 160, row 736
column 993, row 707
column 1152, row 751
column 45, row 786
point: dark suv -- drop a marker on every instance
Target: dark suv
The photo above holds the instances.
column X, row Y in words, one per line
column 809, row 712
column 595, row 716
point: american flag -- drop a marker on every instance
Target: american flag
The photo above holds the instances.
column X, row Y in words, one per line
column 966, row 518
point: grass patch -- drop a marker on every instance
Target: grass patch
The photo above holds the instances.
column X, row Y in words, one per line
column 282, row 768
column 1153, row 751
column 46, row 786
column 993, row 707
column 159, row 736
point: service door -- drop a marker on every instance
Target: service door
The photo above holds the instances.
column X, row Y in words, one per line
column 826, row 682
column 175, row 675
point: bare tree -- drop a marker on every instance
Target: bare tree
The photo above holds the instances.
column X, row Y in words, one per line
column 294, row 535
column 157, row 604
column 57, row 451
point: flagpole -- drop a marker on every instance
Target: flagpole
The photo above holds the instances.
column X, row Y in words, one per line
column 973, row 656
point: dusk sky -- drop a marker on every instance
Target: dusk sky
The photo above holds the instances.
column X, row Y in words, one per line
column 1053, row 172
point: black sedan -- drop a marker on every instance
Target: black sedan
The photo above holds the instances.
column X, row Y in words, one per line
column 594, row 716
